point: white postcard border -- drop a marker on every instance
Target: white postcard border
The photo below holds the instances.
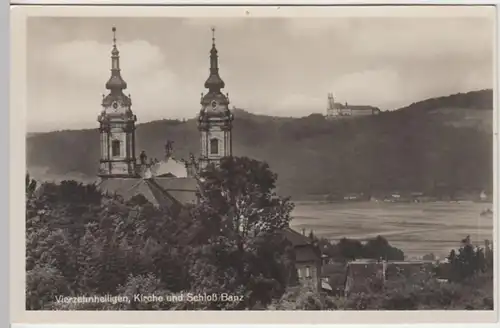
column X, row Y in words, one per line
column 17, row 172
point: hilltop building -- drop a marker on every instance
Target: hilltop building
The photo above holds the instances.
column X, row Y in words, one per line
column 170, row 183
column 336, row 110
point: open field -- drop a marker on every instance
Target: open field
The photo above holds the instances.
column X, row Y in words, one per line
column 416, row 228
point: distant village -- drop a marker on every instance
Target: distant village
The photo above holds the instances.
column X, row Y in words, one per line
column 410, row 197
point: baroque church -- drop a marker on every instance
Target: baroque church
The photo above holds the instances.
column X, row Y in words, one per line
column 170, row 183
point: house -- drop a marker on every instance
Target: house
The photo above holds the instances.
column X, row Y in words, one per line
column 307, row 259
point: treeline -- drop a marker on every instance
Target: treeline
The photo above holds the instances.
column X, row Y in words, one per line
column 482, row 99
column 347, row 249
column 406, row 150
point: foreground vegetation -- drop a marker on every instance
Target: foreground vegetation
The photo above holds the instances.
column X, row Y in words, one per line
column 468, row 285
column 82, row 243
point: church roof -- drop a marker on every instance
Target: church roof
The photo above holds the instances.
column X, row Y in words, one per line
column 354, row 107
column 130, row 187
column 182, row 189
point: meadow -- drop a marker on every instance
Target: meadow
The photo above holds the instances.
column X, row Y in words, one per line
column 415, row 228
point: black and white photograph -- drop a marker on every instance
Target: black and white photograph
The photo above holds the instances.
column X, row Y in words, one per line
column 272, row 163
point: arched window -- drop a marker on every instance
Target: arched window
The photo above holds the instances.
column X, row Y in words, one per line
column 214, row 146
column 115, row 148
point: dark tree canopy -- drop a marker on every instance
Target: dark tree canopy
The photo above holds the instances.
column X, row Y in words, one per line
column 80, row 242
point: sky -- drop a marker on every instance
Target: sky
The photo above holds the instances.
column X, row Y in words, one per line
column 273, row 66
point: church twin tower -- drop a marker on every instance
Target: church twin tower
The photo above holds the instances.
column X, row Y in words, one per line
column 117, row 123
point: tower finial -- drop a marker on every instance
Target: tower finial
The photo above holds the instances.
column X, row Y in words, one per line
column 114, row 35
column 214, row 82
column 115, row 82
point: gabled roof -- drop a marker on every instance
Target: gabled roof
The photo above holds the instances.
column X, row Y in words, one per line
column 182, row 189
column 305, row 251
column 296, row 238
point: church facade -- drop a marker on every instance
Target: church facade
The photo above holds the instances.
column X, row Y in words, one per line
column 170, row 183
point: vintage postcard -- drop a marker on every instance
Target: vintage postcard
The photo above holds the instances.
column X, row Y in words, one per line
column 238, row 159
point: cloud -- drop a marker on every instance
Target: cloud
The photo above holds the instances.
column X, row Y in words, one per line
column 299, row 105
column 271, row 66
column 370, row 87
column 74, row 75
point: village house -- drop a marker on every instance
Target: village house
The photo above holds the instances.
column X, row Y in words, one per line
column 307, row 259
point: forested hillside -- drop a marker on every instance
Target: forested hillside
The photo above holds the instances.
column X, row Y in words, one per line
column 443, row 141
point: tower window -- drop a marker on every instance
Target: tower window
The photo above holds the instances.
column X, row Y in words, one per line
column 115, row 148
column 214, row 146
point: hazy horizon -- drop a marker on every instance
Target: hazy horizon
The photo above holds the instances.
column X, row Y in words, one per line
column 139, row 122
column 272, row 66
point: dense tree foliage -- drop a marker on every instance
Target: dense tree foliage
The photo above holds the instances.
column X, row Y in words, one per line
column 417, row 148
column 82, row 243
column 470, row 260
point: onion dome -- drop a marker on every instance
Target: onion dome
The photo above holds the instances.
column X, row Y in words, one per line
column 115, row 82
column 214, row 82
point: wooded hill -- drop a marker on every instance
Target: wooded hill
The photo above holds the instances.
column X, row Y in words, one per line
column 441, row 143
